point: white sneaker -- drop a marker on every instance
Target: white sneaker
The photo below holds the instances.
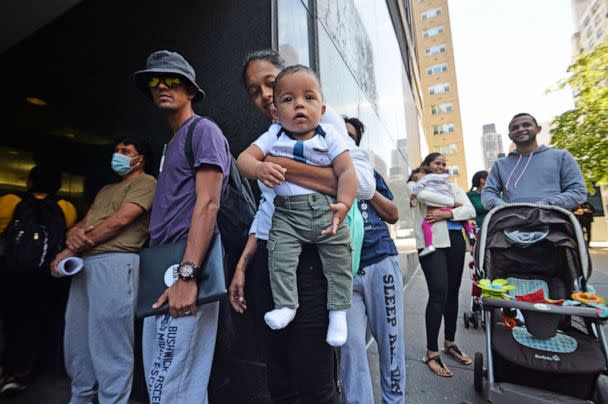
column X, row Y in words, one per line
column 426, row 251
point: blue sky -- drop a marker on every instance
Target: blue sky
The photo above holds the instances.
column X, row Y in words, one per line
column 508, row 53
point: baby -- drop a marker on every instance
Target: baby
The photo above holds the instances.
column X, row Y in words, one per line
column 437, row 183
column 301, row 215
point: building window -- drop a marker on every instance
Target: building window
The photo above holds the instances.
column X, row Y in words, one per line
column 597, row 20
column 589, row 32
column 600, row 33
column 440, row 68
column 586, row 20
column 293, row 32
column 443, row 129
column 439, row 88
column 595, row 6
column 435, row 50
column 433, row 12
column 447, row 149
column 441, row 108
column 453, row 171
column 428, row 33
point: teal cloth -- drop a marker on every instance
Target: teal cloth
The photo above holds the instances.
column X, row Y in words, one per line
column 480, row 210
column 525, row 286
column 560, row 343
column 357, row 231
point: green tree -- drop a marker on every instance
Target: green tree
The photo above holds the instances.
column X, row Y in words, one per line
column 584, row 130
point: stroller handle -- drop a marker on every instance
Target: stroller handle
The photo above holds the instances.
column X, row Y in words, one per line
column 588, row 312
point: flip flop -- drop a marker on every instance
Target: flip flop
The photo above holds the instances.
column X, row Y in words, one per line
column 457, row 354
column 437, row 359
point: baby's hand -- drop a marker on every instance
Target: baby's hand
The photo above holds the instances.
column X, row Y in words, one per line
column 270, row 174
column 413, row 201
column 340, row 211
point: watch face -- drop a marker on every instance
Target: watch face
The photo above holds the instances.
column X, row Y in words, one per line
column 186, row 270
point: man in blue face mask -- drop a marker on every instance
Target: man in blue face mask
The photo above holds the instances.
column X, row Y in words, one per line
column 126, row 159
column 99, row 329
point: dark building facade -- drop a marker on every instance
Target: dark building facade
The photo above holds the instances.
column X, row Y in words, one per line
column 69, row 89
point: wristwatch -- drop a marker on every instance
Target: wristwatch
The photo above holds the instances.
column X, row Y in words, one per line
column 187, row 271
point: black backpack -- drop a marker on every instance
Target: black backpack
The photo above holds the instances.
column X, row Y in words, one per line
column 237, row 204
column 34, row 236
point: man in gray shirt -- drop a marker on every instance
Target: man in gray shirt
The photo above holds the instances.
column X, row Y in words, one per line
column 533, row 173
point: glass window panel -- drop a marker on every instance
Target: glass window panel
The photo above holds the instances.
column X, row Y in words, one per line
column 443, row 129
column 293, row 32
column 433, row 12
column 439, row 88
column 362, row 75
column 435, row 50
column 453, row 170
column 431, row 32
column 437, row 69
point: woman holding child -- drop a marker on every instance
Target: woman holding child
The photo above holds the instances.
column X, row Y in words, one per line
column 301, row 364
column 443, row 265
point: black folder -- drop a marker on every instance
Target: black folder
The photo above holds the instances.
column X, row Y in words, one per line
column 155, row 261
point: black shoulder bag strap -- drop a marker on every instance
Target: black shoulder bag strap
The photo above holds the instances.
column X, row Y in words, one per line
column 188, row 143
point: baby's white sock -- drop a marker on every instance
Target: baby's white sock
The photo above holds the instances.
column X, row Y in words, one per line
column 337, row 331
column 279, row 318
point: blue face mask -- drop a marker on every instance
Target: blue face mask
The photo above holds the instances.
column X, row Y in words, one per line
column 121, row 164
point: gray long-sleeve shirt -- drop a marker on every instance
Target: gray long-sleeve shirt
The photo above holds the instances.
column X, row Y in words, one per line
column 546, row 176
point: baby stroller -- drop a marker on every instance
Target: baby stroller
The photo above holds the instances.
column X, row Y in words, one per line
column 549, row 358
column 475, row 315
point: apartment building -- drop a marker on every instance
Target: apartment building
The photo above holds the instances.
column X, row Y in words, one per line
column 441, row 110
column 491, row 145
column 591, row 22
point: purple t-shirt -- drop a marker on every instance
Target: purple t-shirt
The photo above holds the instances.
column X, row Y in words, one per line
column 175, row 190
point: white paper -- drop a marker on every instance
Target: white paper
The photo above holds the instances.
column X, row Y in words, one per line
column 69, row 266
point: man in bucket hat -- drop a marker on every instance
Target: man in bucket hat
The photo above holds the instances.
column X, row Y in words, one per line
column 166, row 63
column 178, row 347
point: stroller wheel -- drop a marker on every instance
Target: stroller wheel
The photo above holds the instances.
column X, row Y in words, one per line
column 475, row 319
column 465, row 317
column 478, row 372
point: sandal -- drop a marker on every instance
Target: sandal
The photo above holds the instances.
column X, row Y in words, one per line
column 457, row 354
column 437, row 359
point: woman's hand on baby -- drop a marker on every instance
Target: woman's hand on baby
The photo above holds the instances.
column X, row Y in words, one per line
column 435, row 215
column 270, row 174
column 340, row 211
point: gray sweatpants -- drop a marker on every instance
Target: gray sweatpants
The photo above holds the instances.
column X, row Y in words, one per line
column 377, row 298
column 99, row 326
column 178, row 353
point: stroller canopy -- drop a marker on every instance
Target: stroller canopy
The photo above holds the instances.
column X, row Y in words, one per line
column 532, row 241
